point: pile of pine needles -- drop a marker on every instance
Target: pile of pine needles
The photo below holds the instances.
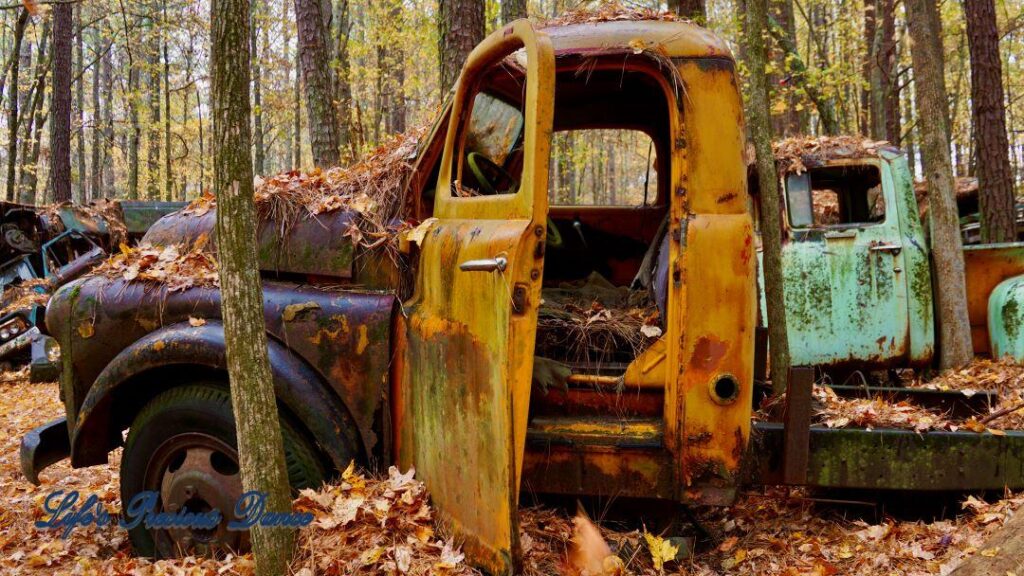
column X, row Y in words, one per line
column 795, row 155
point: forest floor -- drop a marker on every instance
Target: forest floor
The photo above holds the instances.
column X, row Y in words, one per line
column 385, row 525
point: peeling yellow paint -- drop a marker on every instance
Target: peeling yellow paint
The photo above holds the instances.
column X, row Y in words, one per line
column 363, row 340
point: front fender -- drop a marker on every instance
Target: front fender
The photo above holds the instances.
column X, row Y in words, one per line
column 1006, row 319
column 161, row 360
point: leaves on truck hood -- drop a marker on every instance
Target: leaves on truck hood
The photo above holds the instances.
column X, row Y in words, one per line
column 795, row 155
column 176, row 268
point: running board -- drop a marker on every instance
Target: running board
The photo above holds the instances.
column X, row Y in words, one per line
column 890, row 459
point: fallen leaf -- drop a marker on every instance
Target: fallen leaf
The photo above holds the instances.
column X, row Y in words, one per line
column 196, row 322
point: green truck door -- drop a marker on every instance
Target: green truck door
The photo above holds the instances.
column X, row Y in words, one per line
column 843, row 267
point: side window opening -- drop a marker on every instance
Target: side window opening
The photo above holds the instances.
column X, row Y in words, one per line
column 835, row 196
column 490, row 160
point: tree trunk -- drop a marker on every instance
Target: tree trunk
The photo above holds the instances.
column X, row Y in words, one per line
column 791, row 121
column 822, row 103
column 1008, row 542
column 79, row 76
column 260, row 447
column 12, row 105
column 259, row 152
column 297, row 116
column 36, row 119
column 60, row 141
column 391, row 62
column 954, row 335
column 168, row 175
column 107, row 76
column 771, row 212
column 995, row 178
column 343, row 84
column 460, row 29
column 153, row 133
column 314, row 56
column 692, row 9
column 96, row 148
column 512, row 10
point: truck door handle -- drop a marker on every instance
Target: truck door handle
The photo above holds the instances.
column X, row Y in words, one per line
column 894, row 248
column 498, row 263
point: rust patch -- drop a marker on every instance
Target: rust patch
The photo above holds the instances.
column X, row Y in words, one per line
column 708, row 353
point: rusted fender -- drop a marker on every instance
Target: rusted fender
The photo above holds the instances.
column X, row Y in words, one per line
column 1006, row 319
column 134, row 376
column 343, row 336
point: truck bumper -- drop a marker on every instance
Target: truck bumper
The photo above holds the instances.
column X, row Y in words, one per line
column 21, row 342
column 889, row 459
column 43, row 446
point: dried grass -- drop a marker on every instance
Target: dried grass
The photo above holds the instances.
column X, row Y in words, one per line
column 595, row 322
column 795, row 155
column 609, row 12
column 371, row 188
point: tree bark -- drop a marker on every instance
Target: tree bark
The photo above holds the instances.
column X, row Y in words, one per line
column 771, row 226
column 297, row 116
column 460, row 29
column 391, row 62
column 260, row 447
column 79, row 76
column 822, row 103
column 512, row 10
column 692, row 9
column 107, row 77
column 791, row 121
column 988, row 115
column 96, row 148
column 259, row 152
column 168, row 175
column 60, row 142
column 343, row 83
column 12, row 105
column 954, row 335
column 153, row 133
column 315, row 61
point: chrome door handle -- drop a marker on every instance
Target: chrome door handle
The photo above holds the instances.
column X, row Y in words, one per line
column 498, row 263
column 894, row 248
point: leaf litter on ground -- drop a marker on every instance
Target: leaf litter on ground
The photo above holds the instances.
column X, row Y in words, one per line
column 385, row 525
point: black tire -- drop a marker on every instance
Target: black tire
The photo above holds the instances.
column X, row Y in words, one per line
column 201, row 408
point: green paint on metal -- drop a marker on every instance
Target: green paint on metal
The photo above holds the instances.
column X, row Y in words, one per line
column 1006, row 318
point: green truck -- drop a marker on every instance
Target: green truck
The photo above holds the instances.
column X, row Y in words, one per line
column 856, row 265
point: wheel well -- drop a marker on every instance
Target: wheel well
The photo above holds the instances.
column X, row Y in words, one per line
column 128, row 399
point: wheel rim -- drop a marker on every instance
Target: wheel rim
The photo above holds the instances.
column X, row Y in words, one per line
column 197, row 472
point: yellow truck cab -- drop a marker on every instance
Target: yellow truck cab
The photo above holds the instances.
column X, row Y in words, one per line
column 580, row 336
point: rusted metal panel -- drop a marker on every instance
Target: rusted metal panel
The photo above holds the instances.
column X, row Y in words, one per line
column 846, row 297
column 797, row 425
column 316, row 245
column 985, row 267
column 343, row 336
column 712, row 294
column 467, row 360
column 556, row 468
column 888, row 459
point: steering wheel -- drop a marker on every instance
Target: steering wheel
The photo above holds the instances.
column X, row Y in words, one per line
column 493, row 179
column 490, row 176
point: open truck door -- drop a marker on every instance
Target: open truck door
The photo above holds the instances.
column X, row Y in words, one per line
column 464, row 370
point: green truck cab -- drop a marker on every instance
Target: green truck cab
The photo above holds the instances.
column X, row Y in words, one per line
column 857, row 273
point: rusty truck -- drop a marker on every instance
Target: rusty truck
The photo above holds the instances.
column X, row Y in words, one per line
column 856, row 266
column 443, row 375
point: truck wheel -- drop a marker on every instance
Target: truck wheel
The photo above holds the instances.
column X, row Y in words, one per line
column 182, row 447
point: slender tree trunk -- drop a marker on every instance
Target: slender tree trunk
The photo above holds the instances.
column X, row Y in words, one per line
column 12, row 104
column 60, row 141
column 81, row 188
column 29, row 177
column 259, row 153
column 153, row 133
column 692, row 9
column 314, row 55
column 107, row 77
column 954, row 335
column 260, row 447
column 791, row 121
column 391, row 63
column 297, row 116
column 343, row 83
column 135, row 135
column 460, row 29
column 995, row 177
column 96, row 148
column 286, row 27
column 822, row 103
column 512, row 10
column 168, row 175
column 771, row 225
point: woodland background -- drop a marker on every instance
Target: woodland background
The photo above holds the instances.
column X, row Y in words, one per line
column 140, row 125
